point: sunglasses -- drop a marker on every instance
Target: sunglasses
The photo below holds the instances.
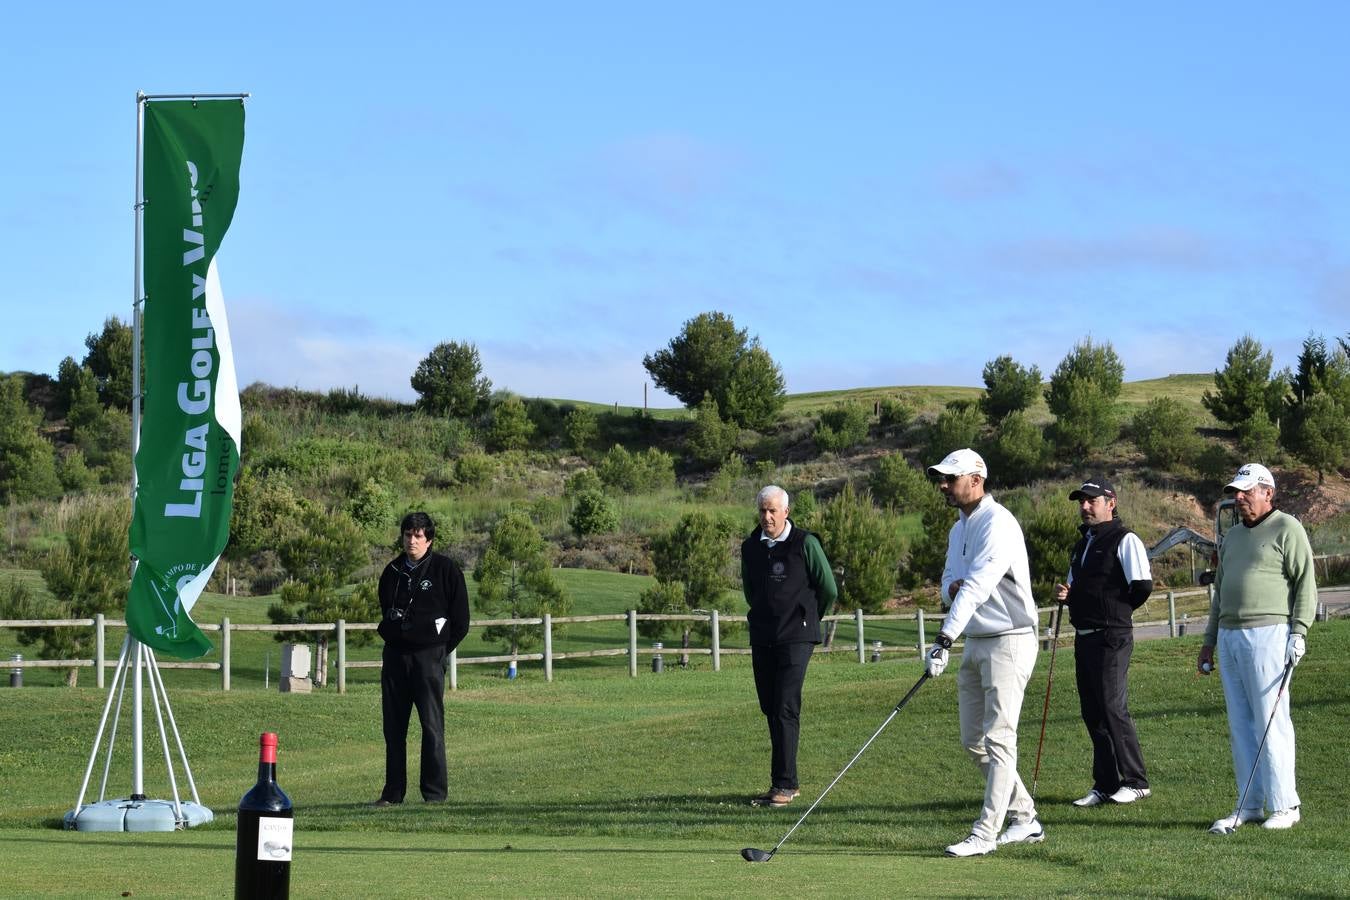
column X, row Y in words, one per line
column 951, row 479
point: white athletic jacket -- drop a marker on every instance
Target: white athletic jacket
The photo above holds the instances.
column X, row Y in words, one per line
column 987, row 551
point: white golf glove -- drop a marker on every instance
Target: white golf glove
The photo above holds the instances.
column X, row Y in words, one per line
column 936, row 661
column 1294, row 649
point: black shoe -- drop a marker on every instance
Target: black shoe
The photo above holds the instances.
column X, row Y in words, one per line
column 382, row 803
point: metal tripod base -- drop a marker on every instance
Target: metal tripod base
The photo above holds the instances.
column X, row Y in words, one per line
column 136, row 815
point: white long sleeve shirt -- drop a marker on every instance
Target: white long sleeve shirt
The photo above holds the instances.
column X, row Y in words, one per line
column 987, row 552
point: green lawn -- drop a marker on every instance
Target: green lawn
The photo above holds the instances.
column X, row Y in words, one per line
column 602, row 785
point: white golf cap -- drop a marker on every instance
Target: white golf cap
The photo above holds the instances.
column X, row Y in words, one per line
column 1249, row 476
column 961, row 462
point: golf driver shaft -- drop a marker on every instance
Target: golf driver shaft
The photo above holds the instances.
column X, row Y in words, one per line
column 1284, row 679
column 1045, row 709
column 899, row 706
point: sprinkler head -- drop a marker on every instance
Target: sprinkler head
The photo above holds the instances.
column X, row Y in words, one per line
column 750, row 854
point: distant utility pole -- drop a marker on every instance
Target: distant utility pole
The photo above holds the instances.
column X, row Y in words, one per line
column 644, row 396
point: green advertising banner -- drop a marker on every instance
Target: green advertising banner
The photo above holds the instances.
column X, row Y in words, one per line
column 189, row 440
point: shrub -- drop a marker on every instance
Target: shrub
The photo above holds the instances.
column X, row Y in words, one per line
column 593, row 513
column 581, row 481
column 1009, row 388
column 710, row 439
column 475, row 469
column 372, row 508
column 635, row 473
column 582, row 429
column 1081, row 396
column 265, row 510
column 865, row 542
column 1164, row 431
column 510, row 428
column 450, row 381
column 843, row 427
column 956, row 427
column 894, row 413
column 1018, row 452
column 900, row 486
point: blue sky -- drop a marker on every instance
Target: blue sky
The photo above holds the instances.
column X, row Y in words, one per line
column 885, row 193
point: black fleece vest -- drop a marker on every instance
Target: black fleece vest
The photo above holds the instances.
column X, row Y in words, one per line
column 783, row 607
column 1099, row 596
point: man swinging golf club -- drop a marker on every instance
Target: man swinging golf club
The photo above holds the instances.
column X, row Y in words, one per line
column 986, row 586
column 1264, row 598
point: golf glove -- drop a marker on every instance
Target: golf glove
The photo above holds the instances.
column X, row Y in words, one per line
column 936, row 662
column 1294, row 650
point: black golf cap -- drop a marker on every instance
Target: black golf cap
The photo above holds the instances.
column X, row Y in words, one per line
column 1094, row 487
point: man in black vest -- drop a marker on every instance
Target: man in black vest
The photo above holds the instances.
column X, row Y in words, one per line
column 1109, row 578
column 424, row 614
column 789, row 586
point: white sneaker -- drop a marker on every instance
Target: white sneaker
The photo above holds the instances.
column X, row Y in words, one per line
column 1023, row 833
column 1282, row 818
column 1129, row 795
column 1229, row 823
column 1093, row 797
column 972, row 846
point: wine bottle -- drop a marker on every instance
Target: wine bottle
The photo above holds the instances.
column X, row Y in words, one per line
column 262, row 848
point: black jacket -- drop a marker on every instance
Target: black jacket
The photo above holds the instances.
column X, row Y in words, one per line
column 1099, row 596
column 412, row 600
column 784, row 608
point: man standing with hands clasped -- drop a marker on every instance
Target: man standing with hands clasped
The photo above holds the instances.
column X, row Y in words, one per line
column 1109, row 578
column 1264, row 598
column 987, row 586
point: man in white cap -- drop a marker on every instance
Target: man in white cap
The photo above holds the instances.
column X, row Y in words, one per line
column 1264, row 597
column 986, row 587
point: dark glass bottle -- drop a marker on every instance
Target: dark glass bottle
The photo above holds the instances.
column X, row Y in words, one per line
column 262, row 848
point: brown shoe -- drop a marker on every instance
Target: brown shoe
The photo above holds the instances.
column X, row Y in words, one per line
column 763, row 799
column 783, row 796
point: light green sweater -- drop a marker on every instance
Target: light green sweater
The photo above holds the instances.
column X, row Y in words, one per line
column 1265, row 577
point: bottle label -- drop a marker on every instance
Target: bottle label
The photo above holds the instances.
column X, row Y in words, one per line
column 274, row 839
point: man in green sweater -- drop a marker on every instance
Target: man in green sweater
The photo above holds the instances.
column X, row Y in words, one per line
column 1264, row 598
column 789, row 587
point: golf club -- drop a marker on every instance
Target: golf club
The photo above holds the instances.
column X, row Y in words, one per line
column 751, row 854
column 1242, row 801
column 1045, row 709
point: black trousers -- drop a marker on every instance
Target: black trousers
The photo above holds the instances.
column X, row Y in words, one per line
column 780, row 670
column 1102, row 662
column 408, row 678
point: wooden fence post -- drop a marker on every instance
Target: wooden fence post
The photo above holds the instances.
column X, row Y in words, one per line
column 918, row 619
column 858, row 618
column 99, row 638
column 1171, row 614
column 342, row 655
column 716, row 630
column 632, row 643
column 454, row 669
column 548, row 647
column 225, row 653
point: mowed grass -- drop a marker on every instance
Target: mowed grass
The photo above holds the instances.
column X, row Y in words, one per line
column 602, row 785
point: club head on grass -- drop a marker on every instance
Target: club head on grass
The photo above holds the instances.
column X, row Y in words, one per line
column 750, row 854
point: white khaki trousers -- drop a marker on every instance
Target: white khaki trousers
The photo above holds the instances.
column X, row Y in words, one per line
column 1251, row 664
column 990, row 685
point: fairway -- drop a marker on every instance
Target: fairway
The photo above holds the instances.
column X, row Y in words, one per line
column 599, row 785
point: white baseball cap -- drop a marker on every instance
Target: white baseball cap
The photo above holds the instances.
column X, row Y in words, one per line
column 1249, row 476
column 961, row 462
